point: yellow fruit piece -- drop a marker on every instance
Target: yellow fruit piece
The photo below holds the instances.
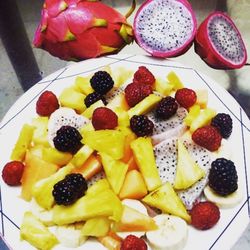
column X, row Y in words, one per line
column 163, row 87
column 23, row 142
column 193, row 113
column 37, row 150
column 187, row 171
column 118, row 101
column 144, row 106
column 110, row 243
column 42, row 190
column 121, row 75
column 132, row 220
column 72, row 99
column 174, row 80
column 123, row 118
column 96, row 227
column 134, row 186
column 40, row 135
column 97, row 187
column 55, row 156
column 165, row 199
column 104, row 203
column 106, row 141
column 89, row 111
column 115, row 171
column 86, row 128
column 144, row 156
column 38, row 235
column 202, row 97
column 81, row 156
column 204, row 118
column 83, row 84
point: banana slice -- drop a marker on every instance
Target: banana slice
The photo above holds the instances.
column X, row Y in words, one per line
column 171, row 234
column 228, row 201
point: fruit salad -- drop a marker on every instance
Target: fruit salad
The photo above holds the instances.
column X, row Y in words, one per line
column 127, row 161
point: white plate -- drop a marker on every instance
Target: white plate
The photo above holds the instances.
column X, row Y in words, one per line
column 233, row 221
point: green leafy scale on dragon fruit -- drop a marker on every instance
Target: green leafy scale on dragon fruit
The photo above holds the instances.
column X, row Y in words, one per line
column 165, row 28
column 166, row 162
column 64, row 117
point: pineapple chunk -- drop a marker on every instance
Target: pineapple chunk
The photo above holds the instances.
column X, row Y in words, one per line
column 144, row 106
column 145, row 160
column 193, row 113
column 121, row 75
column 110, row 242
column 123, row 118
column 72, row 99
column 106, row 141
column 187, row 171
column 118, row 101
column 83, row 84
column 166, row 199
column 23, row 143
column 96, row 227
column 42, row 190
column 202, row 97
column 175, row 81
column 97, row 187
column 163, row 87
column 89, row 111
column 115, row 171
column 38, row 235
column 55, row 156
column 40, row 135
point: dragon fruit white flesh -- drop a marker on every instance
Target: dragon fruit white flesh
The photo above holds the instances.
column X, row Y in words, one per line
column 218, row 42
column 165, row 28
column 166, row 161
column 81, row 29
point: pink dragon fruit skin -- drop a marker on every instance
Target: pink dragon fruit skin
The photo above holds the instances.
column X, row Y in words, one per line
column 153, row 41
column 80, row 29
column 217, row 53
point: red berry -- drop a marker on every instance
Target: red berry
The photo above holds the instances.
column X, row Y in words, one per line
column 104, row 118
column 185, row 97
column 47, row 103
column 207, row 137
column 131, row 242
column 144, row 76
column 204, row 215
column 12, row 173
column 136, row 92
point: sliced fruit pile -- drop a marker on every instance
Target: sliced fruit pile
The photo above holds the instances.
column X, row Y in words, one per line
column 112, row 152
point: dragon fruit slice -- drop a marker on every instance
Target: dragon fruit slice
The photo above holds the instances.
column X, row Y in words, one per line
column 165, row 28
column 166, row 161
column 164, row 129
column 63, row 117
column 81, row 29
column 218, row 42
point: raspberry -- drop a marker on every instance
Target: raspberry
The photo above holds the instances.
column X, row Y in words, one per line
column 136, row 92
column 132, row 242
column 166, row 108
column 223, row 177
column 12, row 173
column 144, row 76
column 47, row 103
column 207, row 137
column 67, row 139
column 185, row 97
column 204, row 215
column 102, row 82
column 104, row 118
column 68, row 190
column 223, row 122
column 92, row 98
column 141, row 125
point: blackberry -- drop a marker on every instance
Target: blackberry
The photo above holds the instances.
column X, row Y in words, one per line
column 92, row 98
column 223, row 122
column 223, row 178
column 102, row 82
column 141, row 125
column 67, row 139
column 166, row 108
column 68, row 190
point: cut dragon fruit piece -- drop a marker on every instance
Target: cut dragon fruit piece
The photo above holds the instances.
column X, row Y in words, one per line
column 166, row 161
column 218, row 42
column 165, row 28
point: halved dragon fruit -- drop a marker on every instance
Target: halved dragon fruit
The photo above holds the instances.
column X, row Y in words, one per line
column 165, row 28
column 166, row 161
column 218, row 42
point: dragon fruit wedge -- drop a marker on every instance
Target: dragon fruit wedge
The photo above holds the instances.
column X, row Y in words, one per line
column 81, row 29
column 165, row 28
column 218, row 42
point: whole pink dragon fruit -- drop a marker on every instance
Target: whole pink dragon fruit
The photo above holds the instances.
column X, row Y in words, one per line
column 81, row 29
